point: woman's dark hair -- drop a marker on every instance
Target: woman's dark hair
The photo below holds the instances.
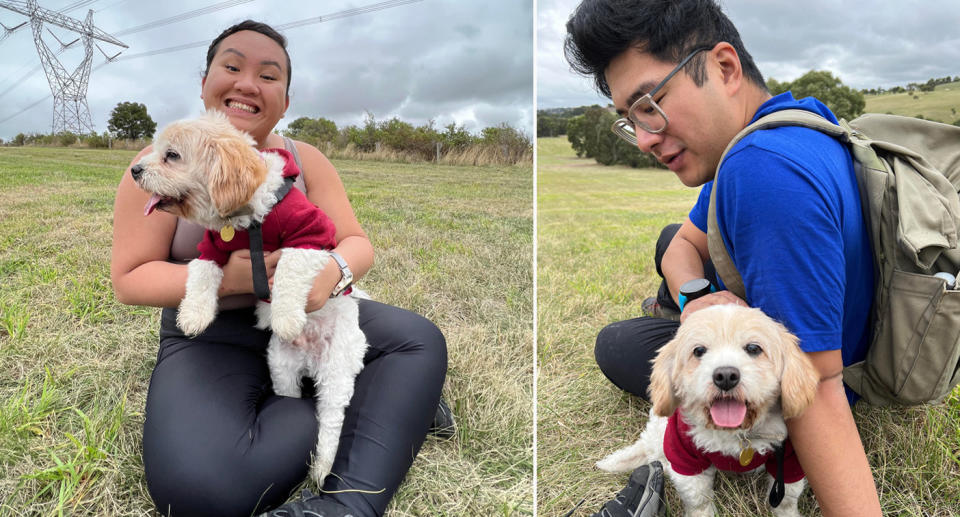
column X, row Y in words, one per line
column 250, row 25
column 600, row 30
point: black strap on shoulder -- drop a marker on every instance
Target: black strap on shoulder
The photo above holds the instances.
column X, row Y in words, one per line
column 777, row 490
column 261, row 286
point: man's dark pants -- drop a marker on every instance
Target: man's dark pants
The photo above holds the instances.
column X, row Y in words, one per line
column 625, row 349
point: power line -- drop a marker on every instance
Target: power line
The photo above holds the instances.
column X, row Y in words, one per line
column 111, row 6
column 182, row 16
column 76, row 5
column 35, row 104
column 299, row 23
column 346, row 13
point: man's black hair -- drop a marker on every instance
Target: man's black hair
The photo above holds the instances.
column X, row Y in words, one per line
column 250, row 25
column 600, row 30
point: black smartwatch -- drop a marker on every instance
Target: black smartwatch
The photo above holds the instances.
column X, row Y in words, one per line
column 693, row 289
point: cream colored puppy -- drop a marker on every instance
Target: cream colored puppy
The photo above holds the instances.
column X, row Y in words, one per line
column 208, row 172
column 721, row 390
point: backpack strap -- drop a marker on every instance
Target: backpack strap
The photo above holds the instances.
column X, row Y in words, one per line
column 718, row 250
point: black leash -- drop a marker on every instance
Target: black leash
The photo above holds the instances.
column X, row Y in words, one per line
column 776, row 492
column 260, row 285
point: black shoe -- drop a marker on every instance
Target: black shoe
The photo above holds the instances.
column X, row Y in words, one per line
column 310, row 505
column 643, row 496
column 443, row 425
column 651, row 308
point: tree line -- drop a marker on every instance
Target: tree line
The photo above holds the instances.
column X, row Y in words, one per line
column 928, row 86
column 503, row 144
column 588, row 128
column 424, row 142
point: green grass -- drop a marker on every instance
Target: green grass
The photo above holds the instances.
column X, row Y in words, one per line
column 453, row 244
column 942, row 104
column 597, row 227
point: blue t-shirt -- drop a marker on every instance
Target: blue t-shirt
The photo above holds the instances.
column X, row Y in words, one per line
column 788, row 209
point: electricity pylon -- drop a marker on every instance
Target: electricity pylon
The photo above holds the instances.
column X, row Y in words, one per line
column 70, row 110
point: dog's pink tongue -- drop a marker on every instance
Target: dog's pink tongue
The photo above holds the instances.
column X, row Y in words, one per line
column 728, row 412
column 152, row 204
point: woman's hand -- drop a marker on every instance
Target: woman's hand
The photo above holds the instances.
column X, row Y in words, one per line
column 323, row 285
column 238, row 272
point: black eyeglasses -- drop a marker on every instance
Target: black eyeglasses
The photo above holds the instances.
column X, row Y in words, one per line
column 645, row 113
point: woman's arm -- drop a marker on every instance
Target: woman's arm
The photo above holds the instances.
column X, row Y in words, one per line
column 829, row 448
column 139, row 269
column 325, row 190
column 141, row 245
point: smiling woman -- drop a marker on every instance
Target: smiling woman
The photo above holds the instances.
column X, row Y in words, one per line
column 217, row 440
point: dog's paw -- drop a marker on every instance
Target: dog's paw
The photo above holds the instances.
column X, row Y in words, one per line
column 194, row 319
column 288, row 324
column 320, row 471
column 263, row 315
column 609, row 464
column 287, row 390
column 624, row 460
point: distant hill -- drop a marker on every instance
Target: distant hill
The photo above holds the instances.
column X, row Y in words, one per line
column 942, row 104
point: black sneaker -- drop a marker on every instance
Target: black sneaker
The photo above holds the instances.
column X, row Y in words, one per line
column 443, row 425
column 643, row 496
column 310, row 505
column 652, row 309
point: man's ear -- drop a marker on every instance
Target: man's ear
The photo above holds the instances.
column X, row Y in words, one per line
column 725, row 57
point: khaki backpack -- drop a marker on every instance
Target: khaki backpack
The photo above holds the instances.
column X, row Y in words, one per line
column 908, row 173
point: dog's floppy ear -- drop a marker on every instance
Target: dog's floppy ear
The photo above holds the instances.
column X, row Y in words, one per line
column 798, row 383
column 237, row 172
column 661, row 388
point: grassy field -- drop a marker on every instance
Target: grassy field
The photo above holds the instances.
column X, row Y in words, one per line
column 74, row 363
column 597, row 227
column 942, row 104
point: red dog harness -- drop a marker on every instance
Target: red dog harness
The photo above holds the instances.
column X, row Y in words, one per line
column 294, row 222
column 687, row 459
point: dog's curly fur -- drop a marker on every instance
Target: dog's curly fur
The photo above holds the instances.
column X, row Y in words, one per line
column 780, row 382
column 207, row 171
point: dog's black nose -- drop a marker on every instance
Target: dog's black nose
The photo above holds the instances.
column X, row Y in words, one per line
column 726, row 377
column 136, row 171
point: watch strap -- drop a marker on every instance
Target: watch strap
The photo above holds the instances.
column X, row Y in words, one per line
column 346, row 276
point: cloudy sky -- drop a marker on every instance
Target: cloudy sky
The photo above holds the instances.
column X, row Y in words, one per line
column 468, row 62
column 867, row 44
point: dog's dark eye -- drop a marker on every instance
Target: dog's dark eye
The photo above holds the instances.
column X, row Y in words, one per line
column 699, row 351
column 753, row 349
column 171, row 155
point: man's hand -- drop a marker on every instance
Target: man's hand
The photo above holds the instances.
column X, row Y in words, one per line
column 717, row 298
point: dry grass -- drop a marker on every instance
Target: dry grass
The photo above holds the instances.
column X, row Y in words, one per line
column 74, row 363
column 474, row 155
column 597, row 227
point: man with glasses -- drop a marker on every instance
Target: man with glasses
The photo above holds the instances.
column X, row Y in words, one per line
column 788, row 210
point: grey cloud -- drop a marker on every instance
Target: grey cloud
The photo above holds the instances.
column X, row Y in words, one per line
column 434, row 59
column 880, row 43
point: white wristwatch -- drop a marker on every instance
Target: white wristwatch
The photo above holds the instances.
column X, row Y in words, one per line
column 346, row 276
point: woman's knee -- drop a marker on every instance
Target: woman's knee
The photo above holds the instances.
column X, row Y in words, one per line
column 391, row 329
column 219, row 480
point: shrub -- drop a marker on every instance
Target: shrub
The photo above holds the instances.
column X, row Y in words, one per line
column 66, row 138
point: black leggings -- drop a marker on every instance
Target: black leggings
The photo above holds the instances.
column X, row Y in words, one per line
column 624, row 349
column 218, row 441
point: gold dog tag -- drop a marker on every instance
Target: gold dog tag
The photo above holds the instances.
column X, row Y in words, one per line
column 227, row 233
column 746, row 456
